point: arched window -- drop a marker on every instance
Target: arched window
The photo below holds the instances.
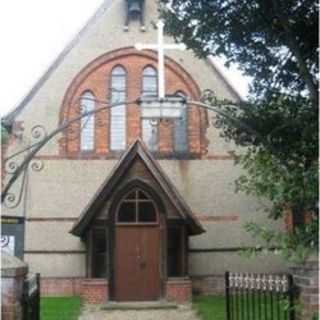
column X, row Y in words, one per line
column 118, row 114
column 137, row 207
column 149, row 81
column 181, row 130
column 87, row 104
column 150, row 130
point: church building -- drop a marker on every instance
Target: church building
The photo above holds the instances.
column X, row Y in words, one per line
column 118, row 206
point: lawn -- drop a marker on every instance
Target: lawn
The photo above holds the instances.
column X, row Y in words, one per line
column 210, row 307
column 213, row 307
column 64, row 308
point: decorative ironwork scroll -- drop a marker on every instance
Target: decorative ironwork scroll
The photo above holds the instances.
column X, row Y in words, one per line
column 258, row 281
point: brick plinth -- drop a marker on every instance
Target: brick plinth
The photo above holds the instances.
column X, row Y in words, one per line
column 11, row 312
column 13, row 273
column 60, row 286
column 179, row 290
column 94, row 291
column 306, row 279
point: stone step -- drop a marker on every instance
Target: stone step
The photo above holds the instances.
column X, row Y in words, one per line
column 147, row 305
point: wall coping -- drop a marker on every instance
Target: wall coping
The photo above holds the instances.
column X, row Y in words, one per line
column 12, row 267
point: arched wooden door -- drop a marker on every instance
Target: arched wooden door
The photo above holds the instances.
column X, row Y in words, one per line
column 137, row 249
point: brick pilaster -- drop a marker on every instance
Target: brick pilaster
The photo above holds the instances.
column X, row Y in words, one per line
column 306, row 278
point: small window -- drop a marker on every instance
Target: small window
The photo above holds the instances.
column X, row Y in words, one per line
column 181, row 130
column 99, row 253
column 147, row 212
column 150, row 130
column 87, row 104
column 175, row 256
column 118, row 114
column 127, row 212
column 137, row 207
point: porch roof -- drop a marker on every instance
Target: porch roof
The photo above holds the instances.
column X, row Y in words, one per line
column 138, row 148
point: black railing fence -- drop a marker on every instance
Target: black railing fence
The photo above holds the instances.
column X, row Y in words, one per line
column 259, row 296
column 31, row 297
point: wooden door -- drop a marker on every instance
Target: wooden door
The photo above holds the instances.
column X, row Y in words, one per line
column 137, row 263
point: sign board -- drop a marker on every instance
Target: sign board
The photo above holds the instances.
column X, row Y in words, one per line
column 12, row 235
column 168, row 108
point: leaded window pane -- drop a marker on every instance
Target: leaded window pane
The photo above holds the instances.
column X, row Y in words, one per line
column 87, row 104
column 150, row 134
column 118, row 114
column 150, row 131
column 137, row 207
column 181, row 131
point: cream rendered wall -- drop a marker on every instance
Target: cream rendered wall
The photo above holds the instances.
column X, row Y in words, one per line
column 64, row 187
column 57, row 265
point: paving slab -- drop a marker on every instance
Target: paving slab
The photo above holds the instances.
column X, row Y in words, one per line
column 183, row 312
column 154, row 305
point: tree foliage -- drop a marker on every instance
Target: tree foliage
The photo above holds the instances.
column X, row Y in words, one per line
column 4, row 135
column 276, row 43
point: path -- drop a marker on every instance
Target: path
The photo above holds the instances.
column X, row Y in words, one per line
column 182, row 313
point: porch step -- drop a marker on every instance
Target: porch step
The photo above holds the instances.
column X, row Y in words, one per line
column 148, row 305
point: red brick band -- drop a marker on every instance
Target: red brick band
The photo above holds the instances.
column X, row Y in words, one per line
column 207, row 218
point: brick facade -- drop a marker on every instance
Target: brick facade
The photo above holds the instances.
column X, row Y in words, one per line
column 96, row 78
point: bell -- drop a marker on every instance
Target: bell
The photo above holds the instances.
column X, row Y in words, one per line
column 134, row 8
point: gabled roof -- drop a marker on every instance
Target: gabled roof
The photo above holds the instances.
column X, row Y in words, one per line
column 139, row 149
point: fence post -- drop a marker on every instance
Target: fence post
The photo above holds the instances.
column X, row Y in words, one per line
column 25, row 300
column 38, row 297
column 291, row 296
column 227, row 295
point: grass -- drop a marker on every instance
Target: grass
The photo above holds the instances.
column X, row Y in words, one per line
column 62, row 308
column 213, row 307
column 210, row 307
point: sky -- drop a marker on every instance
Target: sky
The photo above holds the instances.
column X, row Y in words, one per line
column 34, row 32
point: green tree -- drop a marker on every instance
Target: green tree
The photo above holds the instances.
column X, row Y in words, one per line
column 276, row 43
column 4, row 135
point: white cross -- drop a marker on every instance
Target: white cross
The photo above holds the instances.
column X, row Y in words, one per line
column 160, row 46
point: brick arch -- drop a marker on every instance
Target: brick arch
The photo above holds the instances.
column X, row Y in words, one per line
column 96, row 77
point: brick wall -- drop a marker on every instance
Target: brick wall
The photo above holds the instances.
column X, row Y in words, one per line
column 179, row 291
column 60, row 286
column 13, row 274
column 306, row 278
column 94, row 291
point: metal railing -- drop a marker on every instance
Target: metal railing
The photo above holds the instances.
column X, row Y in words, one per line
column 259, row 296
